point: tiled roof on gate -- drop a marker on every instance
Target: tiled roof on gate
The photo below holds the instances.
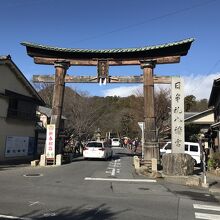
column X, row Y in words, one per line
column 118, row 50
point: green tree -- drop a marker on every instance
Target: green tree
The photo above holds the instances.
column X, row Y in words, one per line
column 191, row 132
column 189, row 102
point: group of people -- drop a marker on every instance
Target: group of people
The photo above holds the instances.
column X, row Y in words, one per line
column 130, row 144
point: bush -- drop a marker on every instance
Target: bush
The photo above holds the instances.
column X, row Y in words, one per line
column 214, row 161
column 216, row 158
column 211, row 164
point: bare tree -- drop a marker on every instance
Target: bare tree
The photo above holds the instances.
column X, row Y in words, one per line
column 45, row 90
column 162, row 105
column 82, row 114
column 162, row 108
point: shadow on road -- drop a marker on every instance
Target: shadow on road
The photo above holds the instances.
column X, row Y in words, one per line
column 13, row 164
column 197, row 196
column 121, row 154
column 84, row 212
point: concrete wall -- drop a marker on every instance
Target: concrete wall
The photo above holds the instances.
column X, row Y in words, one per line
column 206, row 119
column 14, row 128
column 10, row 81
column 3, row 107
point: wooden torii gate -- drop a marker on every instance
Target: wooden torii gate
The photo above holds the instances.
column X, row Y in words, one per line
column 146, row 57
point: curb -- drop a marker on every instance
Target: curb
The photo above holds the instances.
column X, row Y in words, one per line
column 184, row 180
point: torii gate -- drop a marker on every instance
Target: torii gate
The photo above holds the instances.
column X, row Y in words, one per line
column 146, row 57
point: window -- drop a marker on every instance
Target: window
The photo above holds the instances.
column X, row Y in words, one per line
column 168, row 147
column 186, row 147
column 94, row 144
column 21, row 109
column 194, row 148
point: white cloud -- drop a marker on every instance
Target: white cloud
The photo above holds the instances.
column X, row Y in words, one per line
column 122, row 91
column 198, row 85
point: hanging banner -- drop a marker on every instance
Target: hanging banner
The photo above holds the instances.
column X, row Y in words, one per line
column 177, row 116
column 50, row 142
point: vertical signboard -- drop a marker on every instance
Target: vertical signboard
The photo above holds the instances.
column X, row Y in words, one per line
column 142, row 127
column 50, row 142
column 177, row 115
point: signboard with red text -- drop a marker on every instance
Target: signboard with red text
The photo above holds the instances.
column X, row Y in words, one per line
column 50, row 142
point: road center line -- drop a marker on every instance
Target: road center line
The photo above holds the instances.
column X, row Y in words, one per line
column 121, row 180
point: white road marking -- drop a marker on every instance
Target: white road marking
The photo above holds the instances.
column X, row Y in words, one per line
column 121, row 180
column 206, row 216
column 49, row 214
column 13, row 217
column 206, row 207
column 113, row 172
column 114, row 167
column 34, row 203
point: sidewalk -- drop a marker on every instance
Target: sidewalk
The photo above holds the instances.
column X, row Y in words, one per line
column 212, row 180
column 214, row 183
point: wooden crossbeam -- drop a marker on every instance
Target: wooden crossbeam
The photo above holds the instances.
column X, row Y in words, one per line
column 111, row 62
column 92, row 79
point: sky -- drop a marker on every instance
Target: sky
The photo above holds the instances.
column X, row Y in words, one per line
column 102, row 24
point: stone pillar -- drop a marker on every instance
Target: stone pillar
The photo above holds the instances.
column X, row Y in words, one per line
column 58, row 94
column 150, row 147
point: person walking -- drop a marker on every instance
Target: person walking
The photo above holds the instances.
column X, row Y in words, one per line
column 136, row 143
column 78, row 146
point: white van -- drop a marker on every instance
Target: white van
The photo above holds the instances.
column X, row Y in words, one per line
column 193, row 149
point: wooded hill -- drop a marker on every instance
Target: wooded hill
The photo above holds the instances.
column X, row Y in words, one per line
column 119, row 115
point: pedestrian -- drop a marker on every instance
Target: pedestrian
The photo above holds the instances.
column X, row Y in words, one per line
column 136, row 143
column 125, row 143
column 78, row 146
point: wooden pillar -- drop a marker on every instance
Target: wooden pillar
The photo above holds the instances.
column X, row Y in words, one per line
column 58, row 94
column 150, row 147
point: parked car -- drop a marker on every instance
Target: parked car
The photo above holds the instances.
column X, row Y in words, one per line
column 115, row 142
column 191, row 148
column 97, row 149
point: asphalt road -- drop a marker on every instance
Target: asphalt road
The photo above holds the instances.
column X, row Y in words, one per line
column 96, row 189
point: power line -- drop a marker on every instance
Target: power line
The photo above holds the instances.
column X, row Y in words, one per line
column 213, row 67
column 147, row 21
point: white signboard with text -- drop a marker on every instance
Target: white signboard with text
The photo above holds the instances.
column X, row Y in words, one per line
column 50, row 142
column 16, row 146
column 177, row 116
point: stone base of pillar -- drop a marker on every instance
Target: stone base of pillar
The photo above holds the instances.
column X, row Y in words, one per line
column 42, row 160
column 177, row 164
column 136, row 162
column 154, row 165
column 151, row 152
column 59, row 159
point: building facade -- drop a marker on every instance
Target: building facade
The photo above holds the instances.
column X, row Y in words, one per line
column 214, row 101
column 18, row 103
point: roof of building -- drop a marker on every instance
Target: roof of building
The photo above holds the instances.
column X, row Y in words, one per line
column 189, row 114
column 6, row 60
column 197, row 115
column 216, row 125
column 215, row 93
column 47, row 111
column 168, row 49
